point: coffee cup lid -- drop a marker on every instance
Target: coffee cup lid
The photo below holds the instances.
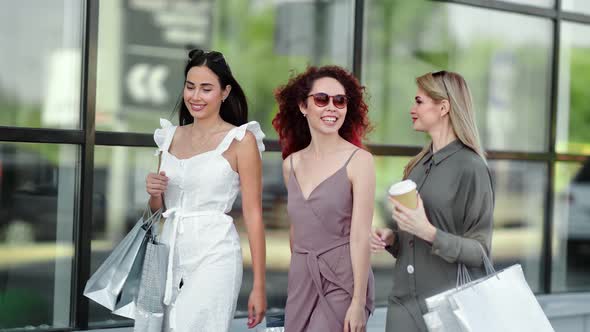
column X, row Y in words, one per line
column 402, row 187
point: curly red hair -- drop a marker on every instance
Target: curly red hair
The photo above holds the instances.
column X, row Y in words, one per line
column 292, row 127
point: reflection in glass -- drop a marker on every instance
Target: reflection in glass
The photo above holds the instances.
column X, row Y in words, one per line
column 140, row 71
column 40, row 63
column 571, row 227
column 508, row 71
column 573, row 117
column 520, row 188
column 577, row 6
column 37, row 208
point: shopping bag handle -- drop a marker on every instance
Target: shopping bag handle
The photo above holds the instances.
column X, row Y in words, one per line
column 150, row 218
column 463, row 276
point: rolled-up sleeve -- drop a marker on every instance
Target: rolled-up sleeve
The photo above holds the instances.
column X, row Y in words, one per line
column 477, row 224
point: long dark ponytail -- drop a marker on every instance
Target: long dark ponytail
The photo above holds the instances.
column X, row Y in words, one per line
column 234, row 109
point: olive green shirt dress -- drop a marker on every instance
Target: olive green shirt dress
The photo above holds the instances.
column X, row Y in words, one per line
column 457, row 191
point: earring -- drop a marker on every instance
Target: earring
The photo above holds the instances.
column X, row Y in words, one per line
column 304, row 115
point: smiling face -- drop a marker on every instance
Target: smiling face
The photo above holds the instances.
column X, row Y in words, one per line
column 325, row 119
column 427, row 114
column 202, row 93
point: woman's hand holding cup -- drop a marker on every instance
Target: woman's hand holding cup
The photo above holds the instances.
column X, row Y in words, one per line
column 408, row 211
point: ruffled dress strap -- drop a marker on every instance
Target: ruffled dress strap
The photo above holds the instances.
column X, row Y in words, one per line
column 163, row 136
column 238, row 133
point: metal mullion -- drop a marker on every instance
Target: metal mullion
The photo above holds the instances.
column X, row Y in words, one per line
column 124, row 139
column 105, row 138
column 571, row 157
column 575, row 17
column 83, row 226
column 40, row 135
column 359, row 19
column 398, row 150
column 547, row 251
column 506, row 7
column 517, row 155
column 113, row 325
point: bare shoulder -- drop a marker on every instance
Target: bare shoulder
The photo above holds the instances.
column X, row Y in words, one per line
column 292, row 158
column 287, row 167
column 287, row 164
column 361, row 166
column 246, row 146
column 362, row 159
column 248, row 140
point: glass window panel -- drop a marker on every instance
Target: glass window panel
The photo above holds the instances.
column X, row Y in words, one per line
column 519, row 213
column 573, row 117
column 36, row 246
column 40, row 63
column 577, row 6
column 508, row 72
column 140, row 70
column 571, row 227
column 537, row 3
column 120, row 199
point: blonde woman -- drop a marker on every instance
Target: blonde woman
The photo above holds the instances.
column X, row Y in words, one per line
column 453, row 219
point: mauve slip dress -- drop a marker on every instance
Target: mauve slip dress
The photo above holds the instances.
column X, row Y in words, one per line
column 320, row 285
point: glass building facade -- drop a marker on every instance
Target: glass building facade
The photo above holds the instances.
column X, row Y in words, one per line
column 83, row 84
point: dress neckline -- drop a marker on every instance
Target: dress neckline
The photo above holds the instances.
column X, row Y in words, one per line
column 298, row 185
column 200, row 153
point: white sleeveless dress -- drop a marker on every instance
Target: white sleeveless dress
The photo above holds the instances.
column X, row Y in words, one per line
column 205, row 254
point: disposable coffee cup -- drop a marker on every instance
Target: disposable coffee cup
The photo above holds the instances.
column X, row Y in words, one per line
column 405, row 193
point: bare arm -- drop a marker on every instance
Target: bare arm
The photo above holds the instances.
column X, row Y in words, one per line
column 249, row 165
column 362, row 176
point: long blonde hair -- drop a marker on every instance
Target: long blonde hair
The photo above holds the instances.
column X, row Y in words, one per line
column 452, row 87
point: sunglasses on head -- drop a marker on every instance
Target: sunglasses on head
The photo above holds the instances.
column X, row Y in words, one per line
column 210, row 55
column 321, row 99
column 442, row 74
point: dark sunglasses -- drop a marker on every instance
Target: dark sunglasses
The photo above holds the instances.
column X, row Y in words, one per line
column 321, row 99
column 442, row 74
column 210, row 55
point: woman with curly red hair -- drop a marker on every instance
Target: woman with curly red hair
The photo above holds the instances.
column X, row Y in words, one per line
column 330, row 180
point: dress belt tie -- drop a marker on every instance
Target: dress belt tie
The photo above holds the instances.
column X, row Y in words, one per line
column 313, row 265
